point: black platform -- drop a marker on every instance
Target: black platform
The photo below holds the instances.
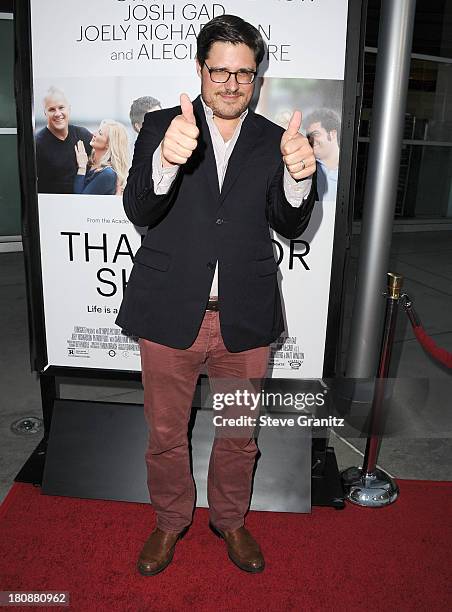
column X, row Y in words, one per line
column 96, row 450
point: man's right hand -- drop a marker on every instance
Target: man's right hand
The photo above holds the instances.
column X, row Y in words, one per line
column 81, row 157
column 181, row 138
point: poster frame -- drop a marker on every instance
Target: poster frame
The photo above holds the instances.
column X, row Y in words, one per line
column 29, row 198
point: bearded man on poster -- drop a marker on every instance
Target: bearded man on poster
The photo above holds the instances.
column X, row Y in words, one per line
column 208, row 179
column 323, row 129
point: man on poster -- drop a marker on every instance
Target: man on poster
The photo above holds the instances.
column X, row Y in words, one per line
column 323, row 128
column 138, row 109
column 208, row 179
column 55, row 146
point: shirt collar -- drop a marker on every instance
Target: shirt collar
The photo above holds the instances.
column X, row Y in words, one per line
column 326, row 169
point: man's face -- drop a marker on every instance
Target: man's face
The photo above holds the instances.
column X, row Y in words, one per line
column 321, row 141
column 56, row 110
column 227, row 100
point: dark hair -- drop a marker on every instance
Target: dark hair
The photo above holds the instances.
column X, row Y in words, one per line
column 140, row 107
column 329, row 119
column 232, row 29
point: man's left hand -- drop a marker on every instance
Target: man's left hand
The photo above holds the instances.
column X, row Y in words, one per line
column 296, row 151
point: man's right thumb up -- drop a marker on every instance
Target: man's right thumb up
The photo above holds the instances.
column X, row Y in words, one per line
column 187, row 108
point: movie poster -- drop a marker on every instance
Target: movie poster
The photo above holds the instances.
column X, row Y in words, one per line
column 97, row 68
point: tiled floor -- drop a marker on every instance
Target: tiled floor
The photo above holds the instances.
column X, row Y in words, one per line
column 419, row 449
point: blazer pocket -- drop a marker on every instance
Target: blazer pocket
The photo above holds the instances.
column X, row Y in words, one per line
column 153, row 259
column 266, row 266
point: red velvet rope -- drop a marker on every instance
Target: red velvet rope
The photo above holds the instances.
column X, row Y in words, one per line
column 431, row 347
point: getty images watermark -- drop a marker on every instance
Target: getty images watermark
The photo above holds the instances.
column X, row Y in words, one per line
column 251, row 401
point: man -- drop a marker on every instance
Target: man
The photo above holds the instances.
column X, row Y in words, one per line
column 55, row 146
column 208, row 178
column 138, row 109
column 323, row 128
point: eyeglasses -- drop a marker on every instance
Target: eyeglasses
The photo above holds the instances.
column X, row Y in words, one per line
column 220, row 75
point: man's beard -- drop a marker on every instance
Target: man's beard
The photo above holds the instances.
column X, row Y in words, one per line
column 222, row 109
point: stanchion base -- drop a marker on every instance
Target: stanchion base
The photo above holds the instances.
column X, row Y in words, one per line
column 372, row 490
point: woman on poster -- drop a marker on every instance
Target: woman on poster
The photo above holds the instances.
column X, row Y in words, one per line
column 105, row 171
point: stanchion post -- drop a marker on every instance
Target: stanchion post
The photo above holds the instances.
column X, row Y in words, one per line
column 369, row 485
column 374, row 441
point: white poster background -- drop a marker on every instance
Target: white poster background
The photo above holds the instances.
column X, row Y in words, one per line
column 82, row 283
column 80, row 329
column 306, row 37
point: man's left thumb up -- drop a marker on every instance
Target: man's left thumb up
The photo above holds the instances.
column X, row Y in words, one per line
column 293, row 128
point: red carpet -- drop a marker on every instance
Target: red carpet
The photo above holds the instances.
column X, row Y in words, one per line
column 392, row 558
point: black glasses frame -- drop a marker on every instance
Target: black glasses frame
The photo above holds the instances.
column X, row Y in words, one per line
column 252, row 73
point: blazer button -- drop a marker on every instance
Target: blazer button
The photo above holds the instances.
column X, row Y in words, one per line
column 219, row 221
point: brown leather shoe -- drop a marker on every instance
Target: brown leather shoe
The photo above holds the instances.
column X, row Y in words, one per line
column 243, row 550
column 158, row 551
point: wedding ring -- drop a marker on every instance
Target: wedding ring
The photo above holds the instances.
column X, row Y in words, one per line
column 303, row 165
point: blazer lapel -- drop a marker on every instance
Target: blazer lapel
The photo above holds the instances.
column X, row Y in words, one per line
column 204, row 151
column 249, row 133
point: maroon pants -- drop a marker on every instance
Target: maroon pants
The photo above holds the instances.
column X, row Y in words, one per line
column 169, row 380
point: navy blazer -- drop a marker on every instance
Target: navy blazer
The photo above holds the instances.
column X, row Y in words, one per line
column 194, row 226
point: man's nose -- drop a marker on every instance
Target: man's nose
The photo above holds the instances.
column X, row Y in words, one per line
column 232, row 84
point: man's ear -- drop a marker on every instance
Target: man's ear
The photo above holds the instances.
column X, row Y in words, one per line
column 198, row 67
column 334, row 135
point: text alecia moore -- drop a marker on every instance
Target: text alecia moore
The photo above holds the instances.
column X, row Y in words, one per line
column 269, row 421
